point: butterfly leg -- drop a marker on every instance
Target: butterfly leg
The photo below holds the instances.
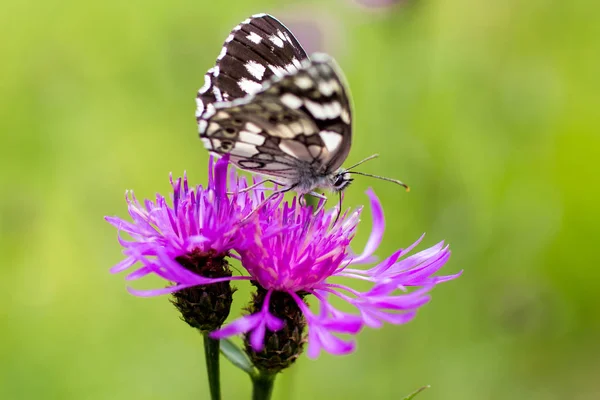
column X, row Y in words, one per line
column 256, row 185
column 339, row 208
column 318, row 196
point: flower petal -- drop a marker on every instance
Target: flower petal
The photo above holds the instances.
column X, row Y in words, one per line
column 204, row 220
column 241, row 325
column 376, row 231
column 256, row 324
column 320, row 338
column 123, row 265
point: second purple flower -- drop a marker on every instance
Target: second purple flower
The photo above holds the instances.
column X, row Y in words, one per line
column 295, row 253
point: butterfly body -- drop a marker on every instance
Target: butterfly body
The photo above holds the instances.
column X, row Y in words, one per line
column 276, row 111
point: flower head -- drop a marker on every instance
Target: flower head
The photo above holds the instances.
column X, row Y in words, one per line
column 291, row 253
column 294, row 251
column 186, row 243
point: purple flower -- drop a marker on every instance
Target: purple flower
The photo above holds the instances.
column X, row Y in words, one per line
column 201, row 224
column 290, row 251
column 293, row 251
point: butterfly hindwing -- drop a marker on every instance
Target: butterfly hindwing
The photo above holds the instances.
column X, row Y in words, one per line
column 254, row 134
column 296, row 127
column 319, row 91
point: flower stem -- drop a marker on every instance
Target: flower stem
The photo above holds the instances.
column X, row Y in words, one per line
column 262, row 386
column 211, row 354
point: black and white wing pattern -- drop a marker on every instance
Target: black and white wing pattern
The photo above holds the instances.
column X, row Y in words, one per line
column 297, row 129
column 275, row 111
column 256, row 50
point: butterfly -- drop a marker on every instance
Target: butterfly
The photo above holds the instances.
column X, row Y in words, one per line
column 277, row 112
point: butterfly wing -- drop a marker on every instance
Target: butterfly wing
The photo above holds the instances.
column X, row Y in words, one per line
column 297, row 128
column 256, row 50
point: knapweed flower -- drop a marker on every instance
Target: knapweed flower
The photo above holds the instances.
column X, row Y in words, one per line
column 186, row 243
column 291, row 254
column 295, row 253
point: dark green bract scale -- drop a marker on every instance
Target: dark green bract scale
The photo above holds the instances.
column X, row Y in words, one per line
column 205, row 307
column 284, row 346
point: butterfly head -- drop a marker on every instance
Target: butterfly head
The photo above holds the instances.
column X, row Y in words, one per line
column 340, row 180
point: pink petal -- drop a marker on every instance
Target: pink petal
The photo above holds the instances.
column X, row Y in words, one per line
column 385, row 265
column 123, row 265
column 376, row 231
column 241, row 325
column 320, row 338
column 158, row 292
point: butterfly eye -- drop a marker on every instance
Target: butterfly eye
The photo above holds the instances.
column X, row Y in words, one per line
column 341, row 181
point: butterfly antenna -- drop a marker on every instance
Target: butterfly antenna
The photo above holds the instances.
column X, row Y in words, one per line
column 383, row 178
column 363, row 161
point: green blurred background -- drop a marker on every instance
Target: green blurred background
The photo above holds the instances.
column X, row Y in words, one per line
column 488, row 109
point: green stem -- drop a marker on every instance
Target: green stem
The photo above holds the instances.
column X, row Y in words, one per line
column 211, row 354
column 262, row 386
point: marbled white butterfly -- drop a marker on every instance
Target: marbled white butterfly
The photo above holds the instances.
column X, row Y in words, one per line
column 276, row 111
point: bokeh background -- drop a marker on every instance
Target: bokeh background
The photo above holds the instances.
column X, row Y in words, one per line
column 490, row 110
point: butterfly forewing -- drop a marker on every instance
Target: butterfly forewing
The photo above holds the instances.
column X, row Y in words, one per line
column 256, row 49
